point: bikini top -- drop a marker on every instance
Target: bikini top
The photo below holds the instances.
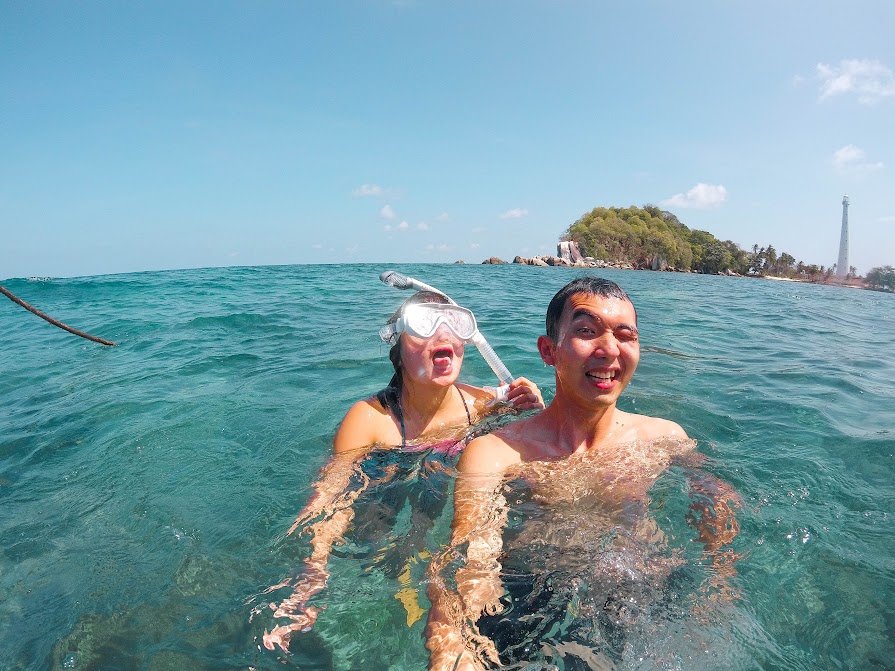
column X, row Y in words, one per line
column 401, row 419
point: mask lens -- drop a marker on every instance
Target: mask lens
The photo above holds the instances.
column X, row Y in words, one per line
column 460, row 322
column 423, row 320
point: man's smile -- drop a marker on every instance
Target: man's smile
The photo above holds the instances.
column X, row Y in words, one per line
column 603, row 378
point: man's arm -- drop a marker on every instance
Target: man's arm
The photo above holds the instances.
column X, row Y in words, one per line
column 712, row 514
column 480, row 514
column 712, row 511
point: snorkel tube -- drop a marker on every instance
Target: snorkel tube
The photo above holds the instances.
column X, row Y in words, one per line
column 399, row 281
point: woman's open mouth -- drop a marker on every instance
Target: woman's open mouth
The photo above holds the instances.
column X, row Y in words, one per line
column 443, row 356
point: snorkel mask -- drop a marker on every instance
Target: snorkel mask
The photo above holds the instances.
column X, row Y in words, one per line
column 423, row 319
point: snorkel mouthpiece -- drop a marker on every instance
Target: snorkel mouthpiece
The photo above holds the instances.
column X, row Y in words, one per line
column 396, row 280
column 399, row 281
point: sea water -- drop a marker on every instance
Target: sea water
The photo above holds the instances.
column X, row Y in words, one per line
column 146, row 489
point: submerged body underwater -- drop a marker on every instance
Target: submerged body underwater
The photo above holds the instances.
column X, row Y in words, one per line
column 146, row 490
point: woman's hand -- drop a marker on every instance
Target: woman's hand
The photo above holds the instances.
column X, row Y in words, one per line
column 525, row 395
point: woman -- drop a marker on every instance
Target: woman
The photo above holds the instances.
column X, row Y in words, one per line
column 423, row 408
column 423, row 398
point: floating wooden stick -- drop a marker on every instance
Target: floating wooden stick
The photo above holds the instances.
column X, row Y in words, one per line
column 54, row 322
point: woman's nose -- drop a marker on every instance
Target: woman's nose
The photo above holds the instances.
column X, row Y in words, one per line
column 444, row 331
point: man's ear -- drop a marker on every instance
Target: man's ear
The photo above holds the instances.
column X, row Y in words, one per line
column 545, row 349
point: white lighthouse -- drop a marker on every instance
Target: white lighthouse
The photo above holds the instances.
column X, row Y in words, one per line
column 842, row 263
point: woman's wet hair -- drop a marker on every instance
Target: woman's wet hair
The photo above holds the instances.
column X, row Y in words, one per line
column 390, row 397
column 589, row 285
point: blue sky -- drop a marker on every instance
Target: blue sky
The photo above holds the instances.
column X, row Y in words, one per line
column 157, row 135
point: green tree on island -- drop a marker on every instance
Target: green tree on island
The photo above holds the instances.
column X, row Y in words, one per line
column 649, row 237
column 881, row 278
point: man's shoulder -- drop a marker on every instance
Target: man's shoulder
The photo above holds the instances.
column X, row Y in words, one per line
column 490, row 453
column 652, row 428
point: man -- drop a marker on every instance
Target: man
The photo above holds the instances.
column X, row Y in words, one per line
column 579, row 450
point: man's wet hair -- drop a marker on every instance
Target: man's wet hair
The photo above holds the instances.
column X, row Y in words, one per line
column 590, row 285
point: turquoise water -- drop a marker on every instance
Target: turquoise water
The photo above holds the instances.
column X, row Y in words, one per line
column 146, row 489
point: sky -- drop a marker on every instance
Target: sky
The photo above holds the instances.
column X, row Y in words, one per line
column 185, row 134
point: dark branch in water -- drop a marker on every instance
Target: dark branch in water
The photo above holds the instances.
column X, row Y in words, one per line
column 54, row 322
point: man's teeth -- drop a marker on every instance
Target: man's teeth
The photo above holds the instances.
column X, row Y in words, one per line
column 602, row 376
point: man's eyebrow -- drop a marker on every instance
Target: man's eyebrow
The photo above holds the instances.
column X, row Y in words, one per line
column 581, row 312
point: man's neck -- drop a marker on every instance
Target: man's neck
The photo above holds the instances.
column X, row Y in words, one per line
column 578, row 428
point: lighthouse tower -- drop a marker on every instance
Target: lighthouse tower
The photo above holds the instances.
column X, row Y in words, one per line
column 842, row 263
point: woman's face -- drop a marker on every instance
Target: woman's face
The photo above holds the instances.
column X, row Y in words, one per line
column 437, row 359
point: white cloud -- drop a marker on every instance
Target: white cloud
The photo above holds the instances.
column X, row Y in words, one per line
column 887, row 220
column 442, row 217
column 474, row 245
column 368, row 190
column 479, row 229
column 441, row 247
column 870, row 80
column 422, row 226
column 853, row 160
column 515, row 213
column 317, row 246
column 700, row 197
column 387, row 212
column 403, row 226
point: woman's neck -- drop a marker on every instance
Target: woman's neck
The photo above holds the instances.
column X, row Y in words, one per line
column 423, row 400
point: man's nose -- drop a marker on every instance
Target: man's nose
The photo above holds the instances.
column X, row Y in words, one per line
column 607, row 345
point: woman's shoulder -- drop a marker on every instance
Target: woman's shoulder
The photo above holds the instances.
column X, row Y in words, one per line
column 473, row 392
column 366, row 422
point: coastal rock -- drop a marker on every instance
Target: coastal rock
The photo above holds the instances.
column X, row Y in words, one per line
column 568, row 251
column 494, row 261
column 522, row 260
column 537, row 261
column 456, row 262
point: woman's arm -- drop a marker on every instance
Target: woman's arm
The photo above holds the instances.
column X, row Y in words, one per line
column 332, row 501
column 341, row 482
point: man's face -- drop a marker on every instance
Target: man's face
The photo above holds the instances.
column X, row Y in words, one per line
column 596, row 350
